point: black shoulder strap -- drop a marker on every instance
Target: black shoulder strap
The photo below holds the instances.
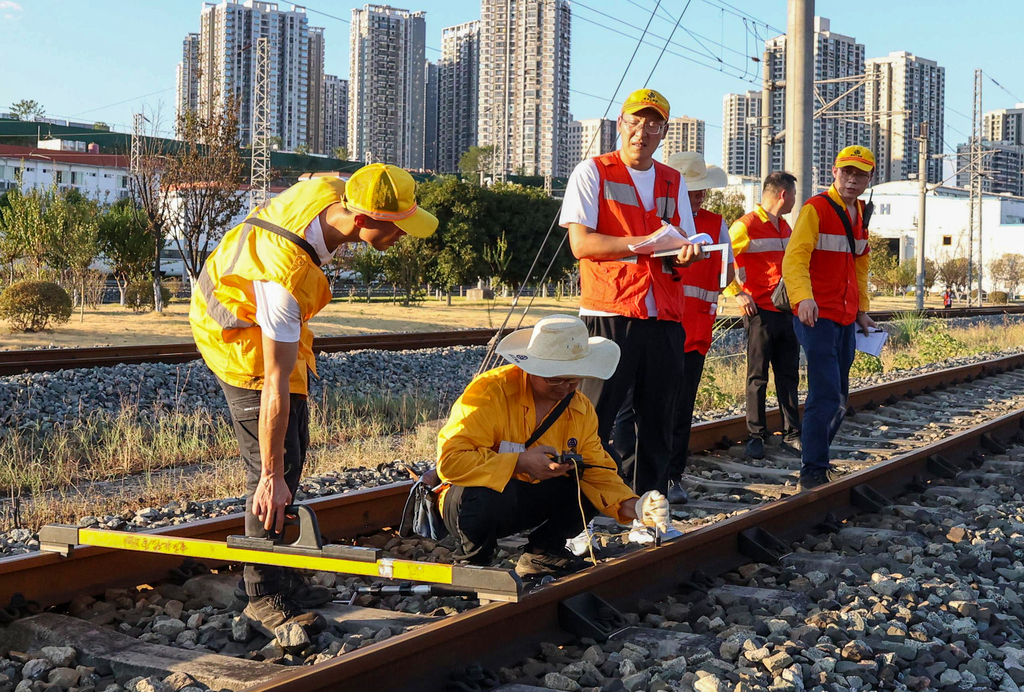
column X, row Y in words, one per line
column 288, row 235
column 845, row 218
column 553, row 415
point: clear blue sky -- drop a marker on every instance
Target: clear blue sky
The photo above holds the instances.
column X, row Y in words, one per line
column 101, row 60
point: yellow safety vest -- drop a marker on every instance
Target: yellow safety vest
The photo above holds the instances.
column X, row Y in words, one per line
column 268, row 246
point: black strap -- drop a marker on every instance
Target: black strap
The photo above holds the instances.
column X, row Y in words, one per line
column 845, row 218
column 553, row 415
column 288, row 235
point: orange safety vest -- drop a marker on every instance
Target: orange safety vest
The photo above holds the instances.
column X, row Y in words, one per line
column 759, row 264
column 832, row 270
column 701, row 286
column 621, row 285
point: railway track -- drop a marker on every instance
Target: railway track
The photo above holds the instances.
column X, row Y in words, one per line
column 47, row 360
column 899, row 436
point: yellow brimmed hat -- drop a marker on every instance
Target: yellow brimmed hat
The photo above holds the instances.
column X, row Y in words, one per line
column 646, row 98
column 388, row 193
column 858, row 157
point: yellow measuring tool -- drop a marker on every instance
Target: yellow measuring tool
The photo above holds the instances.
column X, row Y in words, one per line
column 306, row 552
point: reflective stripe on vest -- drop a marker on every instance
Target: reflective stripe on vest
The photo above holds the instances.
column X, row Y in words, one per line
column 701, row 293
column 767, row 245
column 214, row 308
column 838, row 243
column 622, row 193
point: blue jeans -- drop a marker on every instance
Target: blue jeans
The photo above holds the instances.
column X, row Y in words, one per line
column 830, row 348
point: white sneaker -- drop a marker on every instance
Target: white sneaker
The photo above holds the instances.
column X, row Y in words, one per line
column 577, row 545
column 640, row 534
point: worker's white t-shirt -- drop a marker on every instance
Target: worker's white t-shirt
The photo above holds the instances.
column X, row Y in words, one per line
column 277, row 311
column 581, row 203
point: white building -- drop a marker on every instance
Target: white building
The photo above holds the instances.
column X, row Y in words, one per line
column 1002, row 164
column 590, row 137
column 947, row 213
column 741, row 134
column 524, row 85
column 103, row 177
column 683, row 134
column 315, row 114
column 226, row 64
column 386, row 86
column 187, row 77
column 457, row 94
column 335, row 113
column 903, row 91
column 835, row 57
column 746, row 186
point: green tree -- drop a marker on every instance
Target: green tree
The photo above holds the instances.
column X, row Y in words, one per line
column 525, row 215
column 100, row 125
column 883, row 268
column 125, row 244
column 27, row 109
column 367, row 263
column 76, row 240
column 474, row 161
column 953, row 272
column 405, row 265
column 302, row 150
column 276, row 142
column 340, row 153
column 17, row 213
column 1008, row 270
column 457, row 244
column 728, row 206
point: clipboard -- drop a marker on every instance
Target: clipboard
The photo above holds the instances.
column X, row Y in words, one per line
column 718, row 247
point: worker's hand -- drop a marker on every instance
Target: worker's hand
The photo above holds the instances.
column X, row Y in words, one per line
column 688, row 254
column 865, row 323
column 652, row 510
column 807, row 312
column 268, row 502
column 746, row 304
column 536, row 463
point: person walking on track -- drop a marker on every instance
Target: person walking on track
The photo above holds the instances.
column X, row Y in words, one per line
column 826, row 275
column 759, row 241
column 250, row 311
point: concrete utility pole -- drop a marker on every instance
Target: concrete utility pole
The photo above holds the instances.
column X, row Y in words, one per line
column 800, row 98
column 922, row 179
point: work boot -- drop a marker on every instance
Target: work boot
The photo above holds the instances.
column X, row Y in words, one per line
column 755, row 447
column 534, row 562
column 297, row 587
column 812, row 479
column 267, row 613
column 677, row 494
column 791, row 445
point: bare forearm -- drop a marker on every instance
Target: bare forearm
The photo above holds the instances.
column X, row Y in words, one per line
column 589, row 244
column 275, row 407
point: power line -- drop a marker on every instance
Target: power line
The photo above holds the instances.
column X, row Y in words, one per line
column 1002, row 87
column 667, row 41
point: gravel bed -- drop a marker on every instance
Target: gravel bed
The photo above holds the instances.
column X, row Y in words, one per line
column 935, row 604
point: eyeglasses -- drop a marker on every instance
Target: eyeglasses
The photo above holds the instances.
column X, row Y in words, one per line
column 559, row 381
column 855, row 173
column 650, row 127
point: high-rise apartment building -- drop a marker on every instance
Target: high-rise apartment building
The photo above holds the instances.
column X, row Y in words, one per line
column 835, row 57
column 741, row 134
column 902, row 91
column 683, row 134
column 228, row 40
column 314, row 121
column 589, row 138
column 386, row 86
column 457, row 93
column 524, row 85
column 335, row 114
column 1002, row 163
column 1005, row 125
column 187, row 77
column 430, row 77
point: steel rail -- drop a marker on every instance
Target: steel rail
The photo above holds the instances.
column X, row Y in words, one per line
column 48, row 360
column 50, row 579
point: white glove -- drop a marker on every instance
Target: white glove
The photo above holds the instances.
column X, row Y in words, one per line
column 652, row 510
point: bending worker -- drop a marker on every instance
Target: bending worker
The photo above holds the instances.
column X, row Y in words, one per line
column 826, row 275
column 702, row 281
column 759, row 241
column 256, row 294
column 613, row 201
column 501, row 482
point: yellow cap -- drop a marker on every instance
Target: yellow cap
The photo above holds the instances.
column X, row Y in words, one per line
column 646, row 98
column 858, row 157
column 388, row 193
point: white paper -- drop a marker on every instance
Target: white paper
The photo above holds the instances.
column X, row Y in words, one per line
column 872, row 343
column 668, row 237
column 708, row 250
column 507, row 447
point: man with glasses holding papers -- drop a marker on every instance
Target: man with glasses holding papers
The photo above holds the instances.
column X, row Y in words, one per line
column 620, row 208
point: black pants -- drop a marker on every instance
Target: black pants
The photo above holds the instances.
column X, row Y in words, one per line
column 624, row 432
column 650, row 365
column 244, row 405
column 478, row 517
column 771, row 340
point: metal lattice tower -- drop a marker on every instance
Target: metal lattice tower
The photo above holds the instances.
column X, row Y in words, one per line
column 259, row 177
column 136, row 152
column 974, row 222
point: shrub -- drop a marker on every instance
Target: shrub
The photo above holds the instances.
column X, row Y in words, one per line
column 998, row 297
column 865, row 364
column 29, row 306
column 937, row 344
column 905, row 361
column 905, row 327
column 175, row 288
column 139, row 296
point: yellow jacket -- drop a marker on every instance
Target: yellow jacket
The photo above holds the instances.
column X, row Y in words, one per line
column 498, row 407
column 223, row 310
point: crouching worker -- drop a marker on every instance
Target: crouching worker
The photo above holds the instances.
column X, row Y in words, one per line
column 500, row 451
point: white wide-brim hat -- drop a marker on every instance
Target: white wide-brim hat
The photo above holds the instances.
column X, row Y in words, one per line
column 559, row 346
column 697, row 174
